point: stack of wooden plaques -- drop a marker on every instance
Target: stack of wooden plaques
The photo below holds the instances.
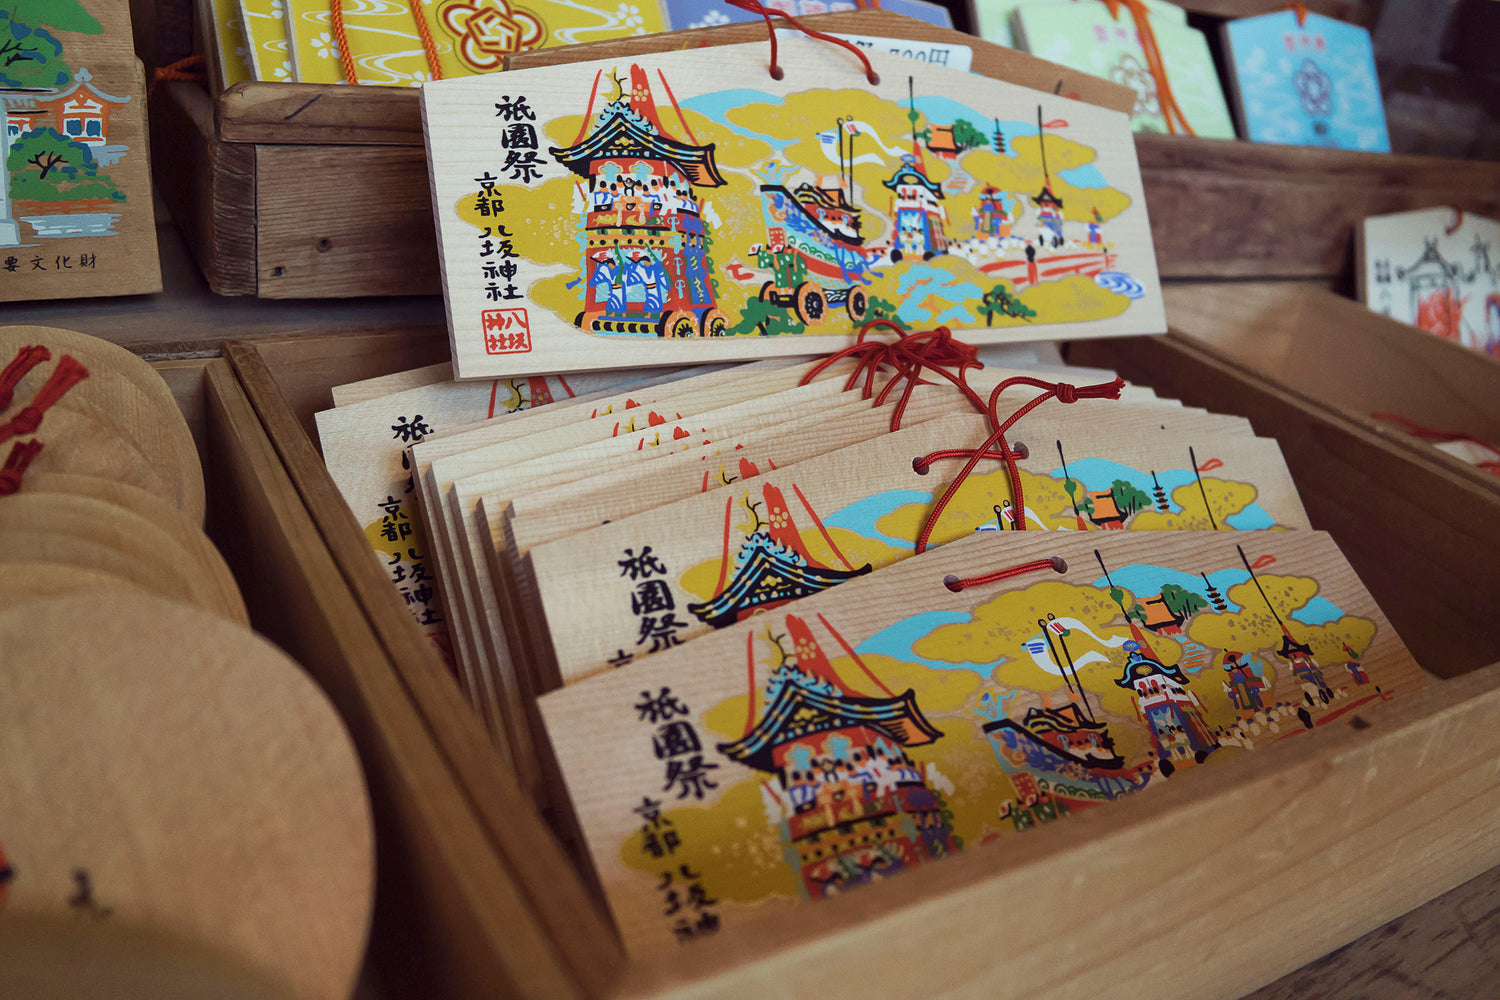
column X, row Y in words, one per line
column 721, row 658
column 175, row 786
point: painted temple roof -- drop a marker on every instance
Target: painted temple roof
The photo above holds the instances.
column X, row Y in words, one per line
column 1140, row 666
column 796, row 712
column 908, row 173
column 768, row 573
column 623, row 132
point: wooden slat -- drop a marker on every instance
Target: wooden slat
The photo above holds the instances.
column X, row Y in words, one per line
column 1204, row 889
column 344, row 221
column 1421, row 536
column 208, row 185
column 449, row 918
column 310, row 114
column 559, row 902
column 1223, row 208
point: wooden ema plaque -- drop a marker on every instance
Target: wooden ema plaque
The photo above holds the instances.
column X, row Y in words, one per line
column 686, row 207
column 75, row 188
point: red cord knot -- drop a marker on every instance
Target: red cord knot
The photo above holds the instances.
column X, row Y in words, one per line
column 22, row 454
column 20, row 366
column 68, row 373
column 937, row 352
column 957, row 584
column 753, row 7
column 1007, row 454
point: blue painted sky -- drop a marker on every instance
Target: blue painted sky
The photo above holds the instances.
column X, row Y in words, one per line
column 860, row 517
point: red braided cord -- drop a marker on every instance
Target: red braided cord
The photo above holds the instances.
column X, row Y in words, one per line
column 26, row 359
column 912, row 353
column 956, row 585
column 68, row 373
column 766, row 12
column 1062, row 391
column 22, row 453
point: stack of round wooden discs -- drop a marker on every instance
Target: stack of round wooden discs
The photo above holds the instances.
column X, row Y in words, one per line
column 115, row 496
column 170, row 776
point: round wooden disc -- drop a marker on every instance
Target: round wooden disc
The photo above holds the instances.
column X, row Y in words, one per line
column 167, row 768
column 123, row 391
column 22, row 582
column 94, row 534
column 159, row 513
column 79, row 444
column 55, row 958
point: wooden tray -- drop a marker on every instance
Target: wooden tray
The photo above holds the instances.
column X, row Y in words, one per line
column 1340, row 354
column 1367, row 821
column 305, row 190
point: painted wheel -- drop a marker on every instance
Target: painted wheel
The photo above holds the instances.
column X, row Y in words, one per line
column 810, row 304
column 678, row 324
column 587, row 321
column 895, row 256
column 714, row 323
column 857, row 305
column 766, row 289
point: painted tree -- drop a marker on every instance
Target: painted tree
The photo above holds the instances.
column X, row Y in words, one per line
column 1127, row 498
column 998, row 301
column 30, row 57
column 1181, row 601
column 967, row 136
column 46, row 165
column 64, row 15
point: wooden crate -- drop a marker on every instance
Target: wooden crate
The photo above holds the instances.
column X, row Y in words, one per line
column 1367, row 821
column 303, row 190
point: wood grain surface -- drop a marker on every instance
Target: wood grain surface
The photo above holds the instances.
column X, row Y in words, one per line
column 169, row 768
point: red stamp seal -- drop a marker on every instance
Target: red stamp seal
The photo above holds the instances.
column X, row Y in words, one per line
column 506, row 331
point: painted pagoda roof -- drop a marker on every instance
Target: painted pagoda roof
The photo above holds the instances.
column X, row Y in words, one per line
column 908, row 173
column 766, row 572
column 622, row 131
column 1141, row 666
column 796, row 712
column 1046, row 197
column 1291, row 647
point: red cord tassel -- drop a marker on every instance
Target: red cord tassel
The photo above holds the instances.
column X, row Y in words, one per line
column 22, row 454
column 20, row 366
